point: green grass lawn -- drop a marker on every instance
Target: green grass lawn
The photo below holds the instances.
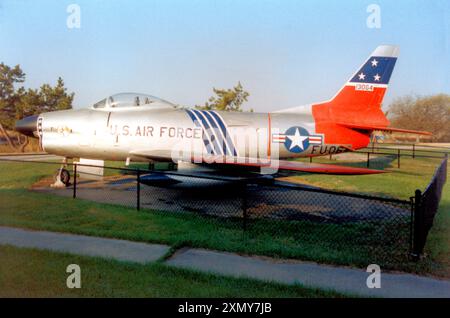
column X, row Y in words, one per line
column 34, row 273
column 22, row 208
column 438, row 243
column 396, row 183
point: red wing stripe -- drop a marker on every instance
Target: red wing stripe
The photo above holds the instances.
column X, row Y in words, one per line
column 297, row 166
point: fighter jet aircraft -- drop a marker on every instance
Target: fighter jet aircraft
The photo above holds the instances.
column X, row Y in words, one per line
column 139, row 127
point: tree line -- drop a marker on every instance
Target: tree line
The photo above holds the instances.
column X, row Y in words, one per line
column 17, row 102
column 426, row 113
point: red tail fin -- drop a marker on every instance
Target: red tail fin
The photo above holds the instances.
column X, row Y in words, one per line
column 359, row 101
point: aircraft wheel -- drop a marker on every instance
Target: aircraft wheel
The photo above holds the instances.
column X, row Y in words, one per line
column 65, row 176
column 62, row 176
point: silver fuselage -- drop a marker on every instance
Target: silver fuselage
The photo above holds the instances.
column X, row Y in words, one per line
column 142, row 133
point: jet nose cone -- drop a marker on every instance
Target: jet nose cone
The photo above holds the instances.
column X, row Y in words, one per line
column 27, row 126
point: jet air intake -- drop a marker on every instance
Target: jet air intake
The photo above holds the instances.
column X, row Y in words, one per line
column 27, row 126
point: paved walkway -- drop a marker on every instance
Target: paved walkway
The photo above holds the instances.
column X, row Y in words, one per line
column 83, row 245
column 343, row 280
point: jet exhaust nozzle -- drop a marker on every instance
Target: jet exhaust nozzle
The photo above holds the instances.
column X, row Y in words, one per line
column 27, row 126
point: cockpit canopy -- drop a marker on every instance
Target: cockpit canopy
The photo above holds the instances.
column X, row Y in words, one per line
column 131, row 100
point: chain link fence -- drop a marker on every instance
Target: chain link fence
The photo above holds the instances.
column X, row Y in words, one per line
column 426, row 206
column 370, row 227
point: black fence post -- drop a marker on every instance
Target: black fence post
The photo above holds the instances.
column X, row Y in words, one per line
column 138, row 189
column 418, row 226
column 411, row 225
column 74, row 181
column 310, row 159
column 368, row 159
column 244, row 206
column 398, row 158
column 414, row 151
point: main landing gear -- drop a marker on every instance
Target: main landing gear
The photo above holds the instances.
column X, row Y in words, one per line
column 62, row 176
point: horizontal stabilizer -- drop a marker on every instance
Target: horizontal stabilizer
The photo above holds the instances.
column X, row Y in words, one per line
column 388, row 129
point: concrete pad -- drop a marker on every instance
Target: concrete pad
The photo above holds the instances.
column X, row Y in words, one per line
column 344, row 280
column 30, row 157
column 83, row 245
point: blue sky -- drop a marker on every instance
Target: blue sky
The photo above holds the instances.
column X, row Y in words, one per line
column 285, row 53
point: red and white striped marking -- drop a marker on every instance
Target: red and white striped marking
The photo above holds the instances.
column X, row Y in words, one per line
column 315, row 139
column 278, row 137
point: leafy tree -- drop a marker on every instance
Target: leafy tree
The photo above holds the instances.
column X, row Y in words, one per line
column 27, row 103
column 16, row 103
column 46, row 99
column 428, row 113
column 226, row 99
column 9, row 77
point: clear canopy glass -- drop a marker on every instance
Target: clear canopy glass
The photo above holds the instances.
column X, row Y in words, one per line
column 131, row 100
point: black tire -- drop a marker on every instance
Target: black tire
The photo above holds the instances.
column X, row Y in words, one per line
column 65, row 176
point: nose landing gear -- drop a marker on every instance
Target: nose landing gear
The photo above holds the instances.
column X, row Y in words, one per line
column 62, row 176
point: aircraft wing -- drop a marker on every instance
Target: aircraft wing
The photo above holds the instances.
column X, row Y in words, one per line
column 157, row 155
column 285, row 165
column 281, row 165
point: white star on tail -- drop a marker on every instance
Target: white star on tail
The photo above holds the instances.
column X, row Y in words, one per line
column 362, row 76
column 374, row 63
column 377, row 77
column 297, row 140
